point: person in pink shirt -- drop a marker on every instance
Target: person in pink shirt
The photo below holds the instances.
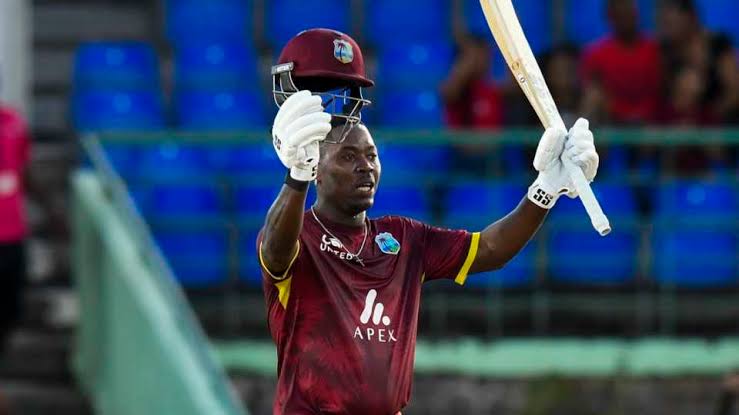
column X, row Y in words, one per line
column 14, row 157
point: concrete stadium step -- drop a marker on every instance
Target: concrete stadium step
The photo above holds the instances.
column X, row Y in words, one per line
column 70, row 22
column 34, row 398
column 37, row 356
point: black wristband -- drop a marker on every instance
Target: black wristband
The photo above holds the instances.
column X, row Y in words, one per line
column 298, row 185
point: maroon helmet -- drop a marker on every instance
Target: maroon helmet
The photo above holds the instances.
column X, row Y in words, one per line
column 328, row 63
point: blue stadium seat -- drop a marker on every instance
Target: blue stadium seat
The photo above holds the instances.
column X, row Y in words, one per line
column 255, row 199
column 220, row 111
column 415, row 64
column 119, row 66
column 245, row 160
column 473, row 206
column 615, row 163
column 586, row 21
column 249, row 270
column 403, row 160
column 411, row 109
column 215, row 65
column 474, row 20
column 402, row 21
column 124, row 158
column 289, row 17
column 199, row 258
column 534, row 15
column 121, row 111
column 695, row 258
column 183, row 201
column 411, row 201
column 695, row 201
column 198, row 20
column 577, row 254
column 519, row 272
column 172, row 161
column 720, row 16
column 695, row 237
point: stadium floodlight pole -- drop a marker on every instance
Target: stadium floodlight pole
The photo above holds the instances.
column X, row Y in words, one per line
column 511, row 40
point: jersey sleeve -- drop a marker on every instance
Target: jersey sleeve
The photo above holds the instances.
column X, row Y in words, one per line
column 265, row 267
column 447, row 253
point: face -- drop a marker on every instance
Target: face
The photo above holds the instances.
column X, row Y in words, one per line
column 674, row 23
column 349, row 172
column 561, row 73
column 689, row 85
column 624, row 18
column 478, row 56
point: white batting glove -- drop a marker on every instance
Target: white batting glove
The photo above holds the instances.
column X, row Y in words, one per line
column 557, row 145
column 298, row 128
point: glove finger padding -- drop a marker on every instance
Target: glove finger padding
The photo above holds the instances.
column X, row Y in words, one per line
column 309, row 133
column 300, row 103
column 588, row 161
column 580, row 125
column 297, row 138
column 291, row 101
column 550, row 148
column 580, row 149
column 309, row 153
column 307, row 166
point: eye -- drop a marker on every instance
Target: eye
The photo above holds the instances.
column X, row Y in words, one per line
column 372, row 157
column 348, row 156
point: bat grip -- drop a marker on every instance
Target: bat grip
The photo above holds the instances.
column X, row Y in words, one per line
column 597, row 217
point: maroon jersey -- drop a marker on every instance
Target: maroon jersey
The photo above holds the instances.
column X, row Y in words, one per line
column 345, row 329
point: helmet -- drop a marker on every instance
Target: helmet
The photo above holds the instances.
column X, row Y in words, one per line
column 328, row 63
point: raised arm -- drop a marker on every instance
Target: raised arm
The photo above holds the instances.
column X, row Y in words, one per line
column 298, row 128
column 502, row 240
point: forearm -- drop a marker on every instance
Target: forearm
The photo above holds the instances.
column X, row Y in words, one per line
column 282, row 228
column 502, row 240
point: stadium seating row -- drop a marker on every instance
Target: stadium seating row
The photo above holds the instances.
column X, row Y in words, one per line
column 383, row 20
column 693, row 240
column 218, row 85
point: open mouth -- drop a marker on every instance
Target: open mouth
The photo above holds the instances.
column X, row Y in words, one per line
column 365, row 186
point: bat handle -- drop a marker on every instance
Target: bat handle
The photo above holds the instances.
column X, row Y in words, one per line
column 597, row 217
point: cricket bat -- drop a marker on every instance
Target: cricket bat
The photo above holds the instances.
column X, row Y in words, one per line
column 511, row 40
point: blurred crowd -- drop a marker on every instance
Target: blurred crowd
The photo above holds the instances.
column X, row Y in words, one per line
column 682, row 76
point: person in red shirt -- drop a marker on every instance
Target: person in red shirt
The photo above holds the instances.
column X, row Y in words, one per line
column 622, row 72
column 14, row 158
column 687, row 43
column 343, row 290
column 471, row 99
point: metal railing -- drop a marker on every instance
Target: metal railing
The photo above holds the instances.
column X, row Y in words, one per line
column 652, row 307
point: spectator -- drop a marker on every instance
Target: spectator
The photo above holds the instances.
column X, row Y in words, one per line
column 472, row 101
column 729, row 393
column 685, row 104
column 560, row 71
column 727, row 103
column 686, row 107
column 14, row 157
column 622, row 72
column 685, row 42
